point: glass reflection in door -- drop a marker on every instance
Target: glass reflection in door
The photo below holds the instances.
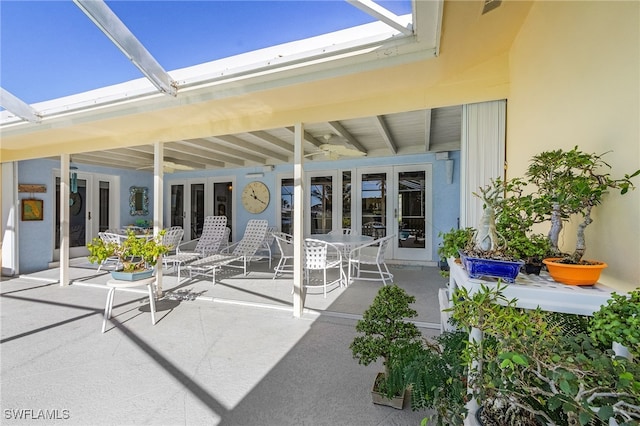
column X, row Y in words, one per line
column 222, row 194
column 374, row 204
column 77, row 215
column 321, row 202
column 286, row 207
column 411, row 209
column 197, row 209
column 103, row 206
column 346, row 200
column 177, row 205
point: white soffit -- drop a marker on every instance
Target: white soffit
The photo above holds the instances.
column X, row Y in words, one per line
column 344, row 52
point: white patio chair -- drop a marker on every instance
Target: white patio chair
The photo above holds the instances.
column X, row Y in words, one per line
column 210, row 240
column 285, row 246
column 171, row 239
column 321, row 256
column 110, row 237
column 265, row 248
column 364, row 256
column 243, row 251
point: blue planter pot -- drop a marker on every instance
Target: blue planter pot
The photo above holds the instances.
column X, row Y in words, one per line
column 131, row 276
column 478, row 267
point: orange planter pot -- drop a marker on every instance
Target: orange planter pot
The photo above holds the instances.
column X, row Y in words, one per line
column 567, row 273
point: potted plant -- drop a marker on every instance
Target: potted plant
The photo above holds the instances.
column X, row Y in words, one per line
column 450, row 245
column 571, row 183
column 515, row 219
column 489, row 255
column 137, row 254
column 388, row 336
column 617, row 324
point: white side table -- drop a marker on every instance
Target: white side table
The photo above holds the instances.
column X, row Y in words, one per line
column 115, row 284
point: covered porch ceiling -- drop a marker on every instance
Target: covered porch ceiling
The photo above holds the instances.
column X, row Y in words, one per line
column 393, row 134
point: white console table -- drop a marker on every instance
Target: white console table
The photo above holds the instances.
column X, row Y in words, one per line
column 531, row 291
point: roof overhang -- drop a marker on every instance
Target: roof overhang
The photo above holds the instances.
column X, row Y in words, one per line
column 349, row 51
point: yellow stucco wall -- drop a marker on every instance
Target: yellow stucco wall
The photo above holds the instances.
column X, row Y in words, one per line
column 575, row 80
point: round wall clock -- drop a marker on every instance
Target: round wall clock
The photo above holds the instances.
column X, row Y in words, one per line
column 255, row 197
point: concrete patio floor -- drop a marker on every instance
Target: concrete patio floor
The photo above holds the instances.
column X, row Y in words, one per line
column 229, row 354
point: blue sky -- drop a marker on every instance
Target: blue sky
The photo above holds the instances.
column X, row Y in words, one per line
column 50, row 49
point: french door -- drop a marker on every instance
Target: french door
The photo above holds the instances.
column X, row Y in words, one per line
column 321, row 203
column 187, row 207
column 190, row 201
column 376, row 201
column 396, row 201
column 93, row 208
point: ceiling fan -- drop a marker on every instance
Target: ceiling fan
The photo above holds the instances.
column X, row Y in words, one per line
column 335, row 147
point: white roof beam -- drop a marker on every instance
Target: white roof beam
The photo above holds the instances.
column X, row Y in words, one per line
column 307, row 137
column 18, row 107
column 383, row 129
column 339, row 128
column 244, row 155
column 208, row 149
column 427, row 130
column 240, row 143
column 119, row 34
column 372, row 8
column 270, row 139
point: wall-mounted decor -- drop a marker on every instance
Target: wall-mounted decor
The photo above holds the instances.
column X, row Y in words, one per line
column 24, row 187
column 139, row 201
column 32, row 209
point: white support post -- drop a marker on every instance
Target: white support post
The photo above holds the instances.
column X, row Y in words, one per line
column 158, row 188
column 65, row 243
column 298, row 219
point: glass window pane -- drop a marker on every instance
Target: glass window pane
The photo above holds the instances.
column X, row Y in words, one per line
column 346, row 199
column 286, row 198
column 321, row 202
column 411, row 208
column 374, row 204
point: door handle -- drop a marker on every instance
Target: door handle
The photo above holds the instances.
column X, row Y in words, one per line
column 89, row 216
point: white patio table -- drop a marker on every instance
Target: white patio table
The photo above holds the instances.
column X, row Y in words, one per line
column 345, row 243
column 531, row 291
column 342, row 240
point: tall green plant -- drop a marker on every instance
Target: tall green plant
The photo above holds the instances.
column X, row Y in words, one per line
column 386, row 334
column 438, row 378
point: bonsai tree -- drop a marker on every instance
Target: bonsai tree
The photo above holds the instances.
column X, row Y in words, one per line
column 515, row 220
column 133, row 253
column 618, row 322
column 387, row 336
column 502, row 219
column 572, row 183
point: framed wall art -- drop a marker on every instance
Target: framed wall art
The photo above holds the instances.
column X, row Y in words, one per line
column 32, row 209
